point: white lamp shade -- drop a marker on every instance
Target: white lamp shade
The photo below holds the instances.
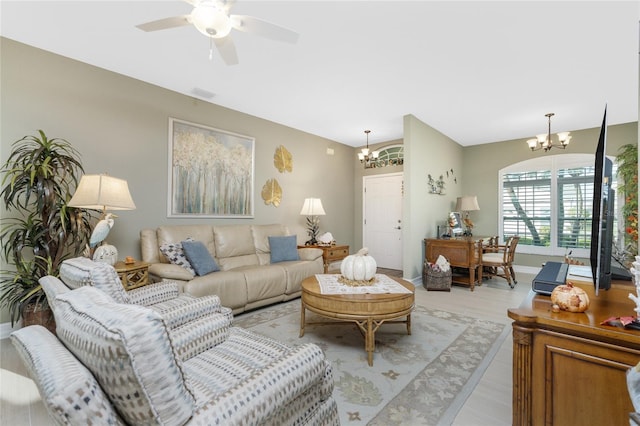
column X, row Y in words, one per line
column 102, row 192
column 467, row 203
column 312, row 207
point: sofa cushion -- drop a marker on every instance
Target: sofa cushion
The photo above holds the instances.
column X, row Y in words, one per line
column 283, row 248
column 129, row 352
column 230, row 286
column 174, row 252
column 199, row 257
column 174, row 233
column 261, row 234
column 233, row 240
column 69, row 391
column 82, row 271
column 265, row 282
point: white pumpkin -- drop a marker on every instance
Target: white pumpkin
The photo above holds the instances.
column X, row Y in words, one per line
column 359, row 266
column 569, row 298
column 106, row 253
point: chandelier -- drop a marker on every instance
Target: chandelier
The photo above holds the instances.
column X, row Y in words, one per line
column 367, row 157
column 544, row 141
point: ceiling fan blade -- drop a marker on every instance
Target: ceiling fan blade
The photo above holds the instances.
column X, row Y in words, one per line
column 226, row 4
column 266, row 29
column 227, row 50
column 163, row 24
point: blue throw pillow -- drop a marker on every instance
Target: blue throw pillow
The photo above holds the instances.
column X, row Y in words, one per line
column 199, row 257
column 283, row 248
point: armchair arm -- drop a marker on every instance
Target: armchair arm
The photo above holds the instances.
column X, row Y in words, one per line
column 188, row 309
column 202, row 334
column 309, row 253
column 168, row 271
column 154, row 293
column 278, row 383
column 70, row 393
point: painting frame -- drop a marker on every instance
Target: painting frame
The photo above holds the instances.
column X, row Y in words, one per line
column 457, row 230
column 211, row 172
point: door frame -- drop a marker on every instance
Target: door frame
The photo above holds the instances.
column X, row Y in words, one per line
column 364, row 186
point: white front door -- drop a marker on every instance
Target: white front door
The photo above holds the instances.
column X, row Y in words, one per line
column 382, row 213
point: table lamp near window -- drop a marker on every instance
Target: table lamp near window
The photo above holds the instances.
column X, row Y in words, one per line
column 312, row 208
column 102, row 192
column 466, row 204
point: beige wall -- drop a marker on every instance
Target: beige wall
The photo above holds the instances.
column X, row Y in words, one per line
column 120, row 127
column 359, row 173
column 482, row 163
column 426, row 151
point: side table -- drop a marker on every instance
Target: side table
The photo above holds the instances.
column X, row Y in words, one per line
column 132, row 275
column 330, row 254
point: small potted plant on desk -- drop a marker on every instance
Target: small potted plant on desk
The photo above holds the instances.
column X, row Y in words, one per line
column 41, row 230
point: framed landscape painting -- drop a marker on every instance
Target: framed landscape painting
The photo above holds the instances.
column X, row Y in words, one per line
column 211, row 172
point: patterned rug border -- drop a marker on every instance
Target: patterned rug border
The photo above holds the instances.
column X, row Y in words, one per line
column 454, row 385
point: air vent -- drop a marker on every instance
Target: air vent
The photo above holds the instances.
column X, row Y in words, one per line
column 201, row 93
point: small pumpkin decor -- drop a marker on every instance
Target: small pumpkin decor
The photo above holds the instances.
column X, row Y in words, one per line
column 569, row 298
column 358, row 269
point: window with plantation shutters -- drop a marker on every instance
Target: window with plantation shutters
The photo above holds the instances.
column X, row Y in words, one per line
column 574, row 201
column 547, row 201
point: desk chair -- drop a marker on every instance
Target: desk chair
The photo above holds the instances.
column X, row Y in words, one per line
column 496, row 256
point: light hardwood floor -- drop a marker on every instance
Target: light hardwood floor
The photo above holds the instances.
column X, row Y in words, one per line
column 489, row 404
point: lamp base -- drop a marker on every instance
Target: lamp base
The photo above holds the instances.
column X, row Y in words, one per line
column 106, row 253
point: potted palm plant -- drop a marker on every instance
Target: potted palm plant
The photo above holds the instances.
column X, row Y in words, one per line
column 627, row 160
column 40, row 230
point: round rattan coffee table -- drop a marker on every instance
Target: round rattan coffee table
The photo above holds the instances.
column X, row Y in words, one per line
column 367, row 311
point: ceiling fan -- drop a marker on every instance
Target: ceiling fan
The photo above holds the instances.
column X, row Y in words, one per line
column 212, row 18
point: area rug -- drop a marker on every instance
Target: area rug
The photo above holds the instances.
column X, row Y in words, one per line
column 423, row 378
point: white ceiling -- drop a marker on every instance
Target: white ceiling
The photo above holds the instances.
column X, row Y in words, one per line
column 477, row 71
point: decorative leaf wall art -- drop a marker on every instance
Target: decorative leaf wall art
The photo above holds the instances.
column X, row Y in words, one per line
column 283, row 160
column 272, row 193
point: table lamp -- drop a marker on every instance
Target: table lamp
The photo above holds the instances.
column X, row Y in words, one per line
column 466, row 204
column 102, row 192
column 312, row 208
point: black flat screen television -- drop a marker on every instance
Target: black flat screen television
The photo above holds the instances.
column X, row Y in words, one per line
column 602, row 214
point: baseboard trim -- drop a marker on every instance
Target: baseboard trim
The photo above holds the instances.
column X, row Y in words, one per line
column 6, row 329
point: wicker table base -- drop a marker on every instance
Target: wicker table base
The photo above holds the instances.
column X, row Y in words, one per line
column 367, row 311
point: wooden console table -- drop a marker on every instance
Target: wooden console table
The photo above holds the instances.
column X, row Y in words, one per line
column 567, row 368
column 461, row 252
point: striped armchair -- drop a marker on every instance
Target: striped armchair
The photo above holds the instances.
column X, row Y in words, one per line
column 117, row 363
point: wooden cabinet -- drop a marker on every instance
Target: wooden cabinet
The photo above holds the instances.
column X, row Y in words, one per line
column 331, row 254
column 461, row 252
column 567, row 368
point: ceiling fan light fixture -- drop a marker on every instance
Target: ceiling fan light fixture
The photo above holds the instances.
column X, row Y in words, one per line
column 211, row 20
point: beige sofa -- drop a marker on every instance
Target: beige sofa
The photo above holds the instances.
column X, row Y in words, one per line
column 247, row 279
